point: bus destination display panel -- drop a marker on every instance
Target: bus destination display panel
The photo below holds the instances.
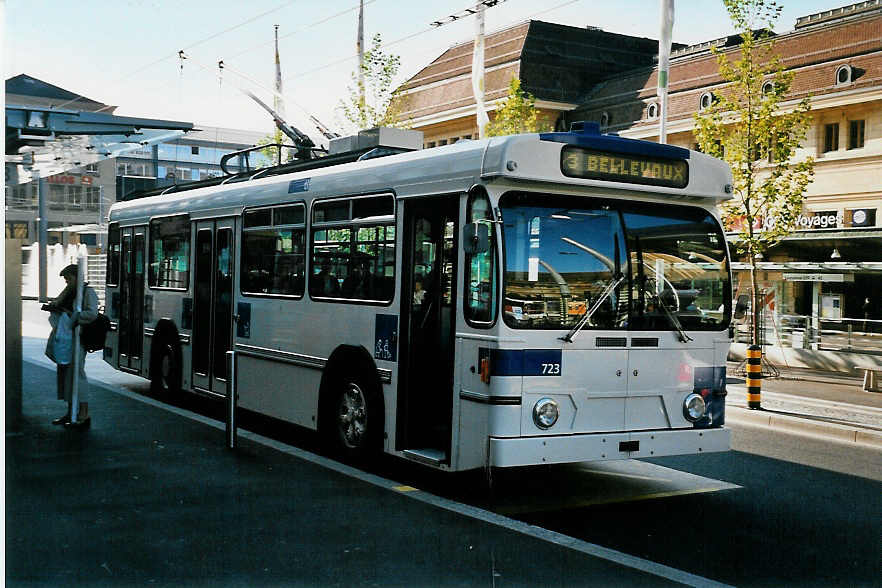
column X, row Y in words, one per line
column 578, row 162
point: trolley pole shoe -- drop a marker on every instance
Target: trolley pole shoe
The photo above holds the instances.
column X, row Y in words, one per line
column 754, row 376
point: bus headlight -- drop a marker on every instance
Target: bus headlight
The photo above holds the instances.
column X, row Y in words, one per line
column 545, row 413
column 694, row 407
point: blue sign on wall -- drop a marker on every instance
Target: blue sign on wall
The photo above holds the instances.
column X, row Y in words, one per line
column 386, row 337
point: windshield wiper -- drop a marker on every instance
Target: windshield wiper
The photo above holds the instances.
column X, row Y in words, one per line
column 600, row 299
column 672, row 318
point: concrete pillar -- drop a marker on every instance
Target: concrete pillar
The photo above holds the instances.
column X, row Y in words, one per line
column 13, row 335
column 816, row 313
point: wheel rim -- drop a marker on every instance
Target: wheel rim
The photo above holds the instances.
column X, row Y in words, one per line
column 352, row 416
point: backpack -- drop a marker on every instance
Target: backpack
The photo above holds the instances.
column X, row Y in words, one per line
column 92, row 334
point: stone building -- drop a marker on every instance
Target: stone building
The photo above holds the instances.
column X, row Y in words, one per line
column 827, row 268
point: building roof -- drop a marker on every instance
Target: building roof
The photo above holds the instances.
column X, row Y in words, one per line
column 813, row 53
column 27, row 90
column 555, row 63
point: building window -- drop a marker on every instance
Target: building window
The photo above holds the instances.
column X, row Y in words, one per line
column 194, row 150
column 442, row 142
column 843, row 75
column 855, row 134
column 466, row 136
column 605, row 120
column 430, row 144
column 768, row 87
column 706, row 101
column 92, row 169
column 169, row 252
column 831, row 137
column 652, row 110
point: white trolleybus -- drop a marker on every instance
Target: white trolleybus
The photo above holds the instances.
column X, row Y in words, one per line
column 531, row 299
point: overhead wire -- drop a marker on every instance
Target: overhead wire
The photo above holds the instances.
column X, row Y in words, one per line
column 190, row 46
column 431, row 27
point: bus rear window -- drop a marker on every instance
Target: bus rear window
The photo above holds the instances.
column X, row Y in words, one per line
column 112, row 278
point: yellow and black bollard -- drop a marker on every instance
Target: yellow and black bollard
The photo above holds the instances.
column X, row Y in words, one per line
column 754, row 376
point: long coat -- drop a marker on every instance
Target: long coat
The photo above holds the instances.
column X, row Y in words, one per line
column 65, row 375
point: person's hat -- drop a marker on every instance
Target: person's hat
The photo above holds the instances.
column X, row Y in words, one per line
column 70, row 270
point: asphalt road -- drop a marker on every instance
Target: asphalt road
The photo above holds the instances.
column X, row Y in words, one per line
column 778, row 510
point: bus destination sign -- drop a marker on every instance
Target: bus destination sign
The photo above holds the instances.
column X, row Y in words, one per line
column 577, row 162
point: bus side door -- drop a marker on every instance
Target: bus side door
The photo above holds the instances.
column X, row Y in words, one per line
column 131, row 289
column 212, row 303
column 428, row 310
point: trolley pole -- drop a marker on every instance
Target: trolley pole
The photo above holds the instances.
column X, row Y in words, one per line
column 754, row 376
column 232, row 397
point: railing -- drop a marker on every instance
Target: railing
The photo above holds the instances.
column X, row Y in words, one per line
column 856, row 335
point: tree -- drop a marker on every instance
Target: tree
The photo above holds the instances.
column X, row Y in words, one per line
column 382, row 103
column 518, row 114
column 746, row 125
column 272, row 153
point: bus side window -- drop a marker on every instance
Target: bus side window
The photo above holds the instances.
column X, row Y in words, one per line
column 480, row 288
column 273, row 256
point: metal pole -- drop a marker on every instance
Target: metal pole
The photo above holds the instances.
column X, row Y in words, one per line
column 100, row 241
column 75, row 348
column 42, row 236
column 232, row 397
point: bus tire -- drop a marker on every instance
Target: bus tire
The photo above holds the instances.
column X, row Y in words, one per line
column 165, row 371
column 354, row 419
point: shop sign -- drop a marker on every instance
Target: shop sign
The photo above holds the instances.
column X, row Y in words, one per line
column 809, row 221
column 70, row 180
column 818, row 277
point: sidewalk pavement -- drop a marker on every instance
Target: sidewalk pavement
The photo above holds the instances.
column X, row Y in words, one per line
column 150, row 495
column 810, row 402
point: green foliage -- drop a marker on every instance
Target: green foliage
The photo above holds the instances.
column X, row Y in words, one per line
column 749, row 129
column 272, row 153
column 517, row 115
column 383, row 103
column 757, row 137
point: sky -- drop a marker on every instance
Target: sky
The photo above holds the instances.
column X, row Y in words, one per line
column 125, row 52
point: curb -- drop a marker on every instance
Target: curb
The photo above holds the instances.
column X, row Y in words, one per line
column 832, row 431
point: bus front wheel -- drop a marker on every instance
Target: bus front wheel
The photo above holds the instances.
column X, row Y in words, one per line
column 354, row 419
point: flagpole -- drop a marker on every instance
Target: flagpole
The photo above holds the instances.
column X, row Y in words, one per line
column 359, row 45
column 478, row 71
column 664, row 56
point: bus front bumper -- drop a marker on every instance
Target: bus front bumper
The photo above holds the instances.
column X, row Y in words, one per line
column 523, row 451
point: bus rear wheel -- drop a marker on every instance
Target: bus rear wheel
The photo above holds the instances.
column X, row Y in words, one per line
column 166, row 373
column 354, row 419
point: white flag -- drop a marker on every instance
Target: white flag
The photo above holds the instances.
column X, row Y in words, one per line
column 664, row 56
column 478, row 71
column 278, row 102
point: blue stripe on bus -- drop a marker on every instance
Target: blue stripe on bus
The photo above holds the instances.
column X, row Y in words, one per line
column 714, row 380
column 526, row 362
column 589, row 136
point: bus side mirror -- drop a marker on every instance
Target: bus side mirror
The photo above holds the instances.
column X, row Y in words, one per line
column 476, row 238
column 741, row 306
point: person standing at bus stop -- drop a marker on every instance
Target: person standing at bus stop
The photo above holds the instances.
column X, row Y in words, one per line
column 59, row 347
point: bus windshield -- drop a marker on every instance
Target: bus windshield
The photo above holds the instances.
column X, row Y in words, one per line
column 627, row 265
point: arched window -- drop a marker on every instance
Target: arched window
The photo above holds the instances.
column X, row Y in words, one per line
column 706, row 100
column 843, row 75
column 652, row 110
column 768, row 87
column 605, row 120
